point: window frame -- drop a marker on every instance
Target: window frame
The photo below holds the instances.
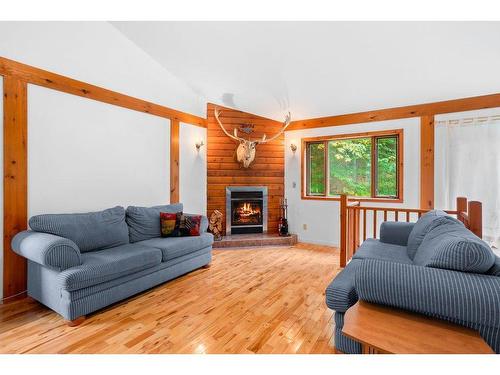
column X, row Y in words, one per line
column 398, row 133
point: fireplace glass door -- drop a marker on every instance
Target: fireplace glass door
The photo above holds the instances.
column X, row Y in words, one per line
column 246, row 209
column 246, row 212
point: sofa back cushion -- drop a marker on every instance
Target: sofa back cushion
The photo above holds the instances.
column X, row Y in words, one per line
column 89, row 231
column 495, row 269
column 420, row 229
column 452, row 246
column 144, row 222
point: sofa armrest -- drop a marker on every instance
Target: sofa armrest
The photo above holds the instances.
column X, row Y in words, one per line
column 395, row 232
column 203, row 224
column 47, row 249
column 341, row 293
column 467, row 298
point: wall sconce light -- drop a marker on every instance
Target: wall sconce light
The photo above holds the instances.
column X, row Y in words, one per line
column 199, row 144
column 293, row 147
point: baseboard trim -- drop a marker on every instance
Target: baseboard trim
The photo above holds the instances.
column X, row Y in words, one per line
column 315, row 242
column 13, row 298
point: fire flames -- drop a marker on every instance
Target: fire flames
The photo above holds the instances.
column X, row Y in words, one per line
column 247, row 210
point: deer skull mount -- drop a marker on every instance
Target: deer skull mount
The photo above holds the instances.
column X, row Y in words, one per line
column 245, row 153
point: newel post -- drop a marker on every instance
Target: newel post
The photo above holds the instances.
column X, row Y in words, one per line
column 343, row 230
column 476, row 218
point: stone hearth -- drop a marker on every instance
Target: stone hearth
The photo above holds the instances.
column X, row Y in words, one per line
column 255, row 239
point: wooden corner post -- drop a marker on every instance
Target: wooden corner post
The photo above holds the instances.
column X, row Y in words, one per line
column 174, row 161
column 427, row 162
column 343, row 230
column 15, row 181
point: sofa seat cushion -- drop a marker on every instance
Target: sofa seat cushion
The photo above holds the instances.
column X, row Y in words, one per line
column 420, row 229
column 454, row 247
column 340, row 294
column 375, row 249
column 105, row 265
column 89, row 231
column 174, row 247
column 173, row 265
column 144, row 222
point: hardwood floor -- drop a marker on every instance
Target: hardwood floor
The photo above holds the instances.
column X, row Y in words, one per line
column 256, row 300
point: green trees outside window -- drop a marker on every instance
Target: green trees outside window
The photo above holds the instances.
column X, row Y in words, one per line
column 316, row 165
column 359, row 167
column 350, row 167
column 387, row 165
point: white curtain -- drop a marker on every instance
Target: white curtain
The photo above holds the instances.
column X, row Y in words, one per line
column 467, row 163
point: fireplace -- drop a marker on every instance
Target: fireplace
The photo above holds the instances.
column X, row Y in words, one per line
column 246, row 209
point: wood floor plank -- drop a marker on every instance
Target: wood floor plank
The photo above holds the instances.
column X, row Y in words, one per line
column 252, row 300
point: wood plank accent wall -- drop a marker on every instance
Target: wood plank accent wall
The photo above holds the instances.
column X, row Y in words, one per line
column 15, row 194
column 268, row 168
column 427, row 162
column 174, row 161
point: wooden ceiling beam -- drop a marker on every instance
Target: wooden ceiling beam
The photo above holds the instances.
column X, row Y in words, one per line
column 40, row 77
column 428, row 109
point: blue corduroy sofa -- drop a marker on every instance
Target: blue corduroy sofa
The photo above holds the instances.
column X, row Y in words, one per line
column 80, row 263
column 435, row 267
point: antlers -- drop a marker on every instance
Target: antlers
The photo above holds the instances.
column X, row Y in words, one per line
column 287, row 122
column 235, row 136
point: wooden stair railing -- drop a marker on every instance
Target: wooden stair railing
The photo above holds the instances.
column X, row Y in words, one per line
column 355, row 221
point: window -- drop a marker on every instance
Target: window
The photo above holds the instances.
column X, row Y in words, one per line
column 367, row 165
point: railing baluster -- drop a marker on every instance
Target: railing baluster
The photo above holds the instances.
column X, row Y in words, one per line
column 374, row 223
column 396, row 215
column 385, row 215
column 357, row 229
column 348, row 234
column 407, row 216
column 343, row 231
column 364, row 224
column 353, row 227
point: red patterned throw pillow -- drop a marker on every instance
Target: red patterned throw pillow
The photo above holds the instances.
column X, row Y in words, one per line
column 190, row 225
column 170, row 223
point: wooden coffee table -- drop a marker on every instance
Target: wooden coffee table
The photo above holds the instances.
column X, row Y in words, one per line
column 382, row 330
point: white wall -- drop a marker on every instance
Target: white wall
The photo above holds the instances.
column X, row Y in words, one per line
column 322, row 217
column 97, row 53
column 85, row 155
column 193, row 169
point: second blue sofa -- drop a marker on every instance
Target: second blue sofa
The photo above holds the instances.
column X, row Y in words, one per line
column 435, row 267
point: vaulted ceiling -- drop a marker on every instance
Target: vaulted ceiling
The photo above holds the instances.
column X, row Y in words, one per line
column 319, row 69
